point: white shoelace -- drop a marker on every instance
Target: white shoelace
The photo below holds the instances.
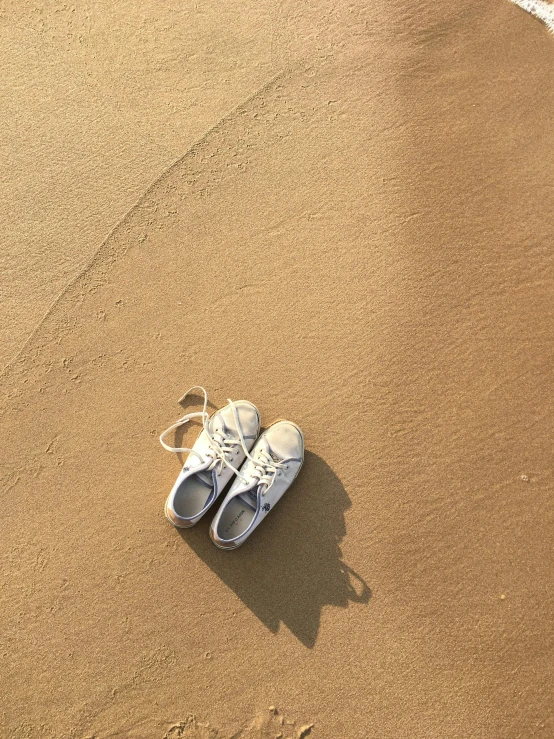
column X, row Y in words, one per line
column 222, row 448
column 265, row 469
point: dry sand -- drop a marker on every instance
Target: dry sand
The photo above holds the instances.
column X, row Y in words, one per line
column 98, row 99
column 363, row 246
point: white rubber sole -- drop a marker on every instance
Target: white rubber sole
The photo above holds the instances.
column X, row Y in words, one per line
column 189, row 526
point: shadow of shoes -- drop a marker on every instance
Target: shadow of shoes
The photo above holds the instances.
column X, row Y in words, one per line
column 291, row 566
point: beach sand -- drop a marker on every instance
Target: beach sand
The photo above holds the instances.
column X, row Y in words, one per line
column 98, row 100
column 362, row 244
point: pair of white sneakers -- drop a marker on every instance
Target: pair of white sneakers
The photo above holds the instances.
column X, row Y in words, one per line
column 230, row 445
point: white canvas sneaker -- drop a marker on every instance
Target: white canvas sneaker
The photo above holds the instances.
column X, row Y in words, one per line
column 268, row 472
column 215, row 457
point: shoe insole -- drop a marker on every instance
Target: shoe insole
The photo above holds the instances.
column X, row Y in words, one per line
column 191, row 496
column 237, row 516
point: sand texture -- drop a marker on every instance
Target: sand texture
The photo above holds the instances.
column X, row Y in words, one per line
column 99, row 99
column 361, row 242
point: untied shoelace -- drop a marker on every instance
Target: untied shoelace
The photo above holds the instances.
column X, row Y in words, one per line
column 222, row 447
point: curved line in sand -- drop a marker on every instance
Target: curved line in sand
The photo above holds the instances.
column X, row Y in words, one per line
column 96, row 257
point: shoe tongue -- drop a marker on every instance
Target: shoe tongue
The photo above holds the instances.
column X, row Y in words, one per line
column 250, row 497
column 224, row 419
column 221, row 424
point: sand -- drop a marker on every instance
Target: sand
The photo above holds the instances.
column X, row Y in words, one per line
column 360, row 242
column 98, row 100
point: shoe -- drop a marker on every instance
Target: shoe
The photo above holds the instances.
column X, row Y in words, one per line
column 268, row 472
column 226, row 438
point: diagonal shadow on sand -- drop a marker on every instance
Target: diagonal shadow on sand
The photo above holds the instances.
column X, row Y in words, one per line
column 292, row 565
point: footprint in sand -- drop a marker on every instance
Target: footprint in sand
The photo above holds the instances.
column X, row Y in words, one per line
column 265, row 726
